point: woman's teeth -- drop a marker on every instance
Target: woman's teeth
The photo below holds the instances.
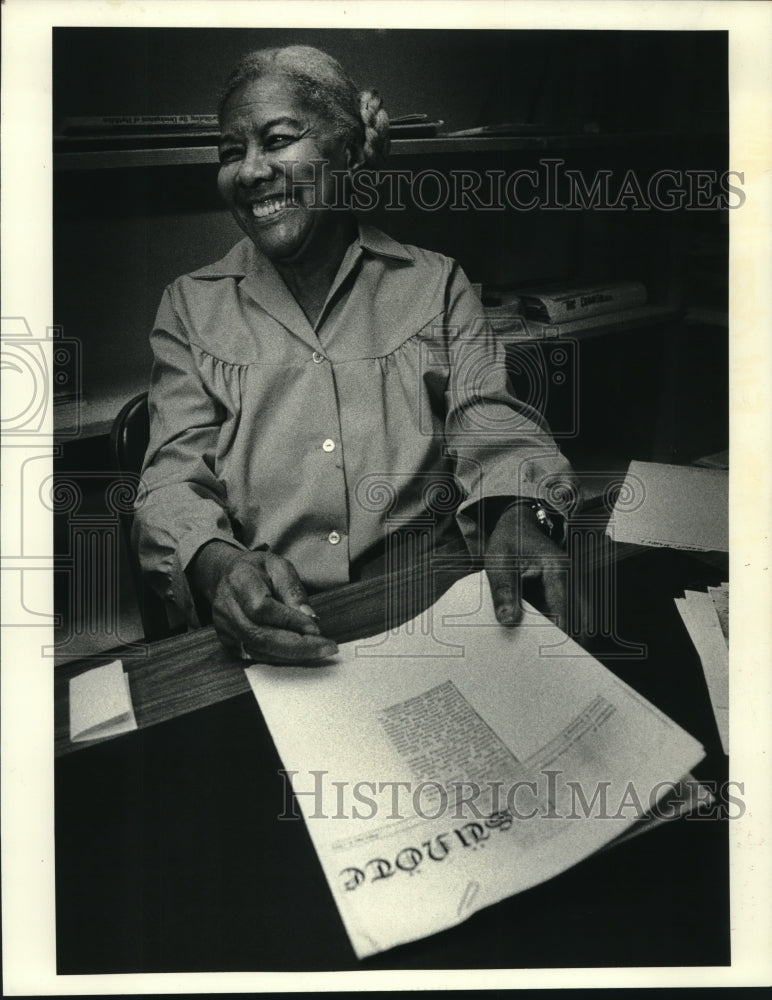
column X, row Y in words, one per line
column 262, row 209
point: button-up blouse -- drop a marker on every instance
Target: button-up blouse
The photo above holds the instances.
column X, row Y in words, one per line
column 321, row 440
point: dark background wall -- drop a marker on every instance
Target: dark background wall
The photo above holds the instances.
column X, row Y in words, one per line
column 619, row 79
column 121, row 235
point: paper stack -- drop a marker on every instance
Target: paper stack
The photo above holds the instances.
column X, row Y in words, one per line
column 706, row 616
column 673, row 506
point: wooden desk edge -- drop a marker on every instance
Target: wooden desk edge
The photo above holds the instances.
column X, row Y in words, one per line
column 192, row 670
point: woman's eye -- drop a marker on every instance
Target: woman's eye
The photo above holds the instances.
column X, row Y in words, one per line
column 278, row 140
column 229, row 154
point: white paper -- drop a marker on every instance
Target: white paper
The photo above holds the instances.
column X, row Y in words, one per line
column 100, row 703
column 673, row 506
column 702, row 623
column 720, row 598
column 454, row 697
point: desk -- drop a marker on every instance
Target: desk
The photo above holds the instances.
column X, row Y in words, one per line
column 170, row 856
column 192, row 671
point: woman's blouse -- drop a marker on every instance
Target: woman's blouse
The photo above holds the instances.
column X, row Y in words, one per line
column 393, row 409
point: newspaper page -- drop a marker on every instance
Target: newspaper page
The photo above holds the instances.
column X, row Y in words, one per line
column 452, row 762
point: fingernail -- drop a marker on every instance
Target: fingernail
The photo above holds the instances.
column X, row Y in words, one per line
column 328, row 649
column 308, row 610
column 506, row 614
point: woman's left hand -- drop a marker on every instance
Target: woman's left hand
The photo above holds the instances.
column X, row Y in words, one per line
column 520, row 557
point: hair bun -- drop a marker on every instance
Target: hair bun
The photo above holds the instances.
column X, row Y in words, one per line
column 376, row 124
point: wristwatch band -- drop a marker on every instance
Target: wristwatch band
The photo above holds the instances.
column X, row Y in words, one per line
column 552, row 523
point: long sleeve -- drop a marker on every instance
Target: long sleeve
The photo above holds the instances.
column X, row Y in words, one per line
column 501, row 445
column 184, row 503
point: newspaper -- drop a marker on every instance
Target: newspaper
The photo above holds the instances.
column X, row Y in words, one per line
column 452, row 762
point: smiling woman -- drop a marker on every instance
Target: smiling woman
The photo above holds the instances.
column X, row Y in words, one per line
column 278, row 160
column 323, row 394
column 292, row 124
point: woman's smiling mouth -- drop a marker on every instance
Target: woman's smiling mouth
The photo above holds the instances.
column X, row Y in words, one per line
column 267, row 207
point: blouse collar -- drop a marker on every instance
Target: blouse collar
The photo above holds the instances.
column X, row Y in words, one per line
column 262, row 282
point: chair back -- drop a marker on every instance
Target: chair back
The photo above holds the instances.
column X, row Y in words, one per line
column 129, row 439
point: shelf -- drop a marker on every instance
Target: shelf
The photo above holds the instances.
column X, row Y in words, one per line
column 599, row 326
column 122, row 159
column 91, row 417
column 706, row 316
column 107, row 159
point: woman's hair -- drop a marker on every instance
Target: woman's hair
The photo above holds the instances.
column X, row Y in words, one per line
column 322, row 82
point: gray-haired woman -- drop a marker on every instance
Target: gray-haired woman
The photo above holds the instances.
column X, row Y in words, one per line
column 323, row 389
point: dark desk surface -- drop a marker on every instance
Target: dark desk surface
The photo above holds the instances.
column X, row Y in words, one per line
column 170, row 856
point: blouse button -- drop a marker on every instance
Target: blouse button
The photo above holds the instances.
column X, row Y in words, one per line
column 333, row 538
column 329, row 445
column 317, row 358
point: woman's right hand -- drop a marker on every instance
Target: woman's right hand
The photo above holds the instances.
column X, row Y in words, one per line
column 259, row 605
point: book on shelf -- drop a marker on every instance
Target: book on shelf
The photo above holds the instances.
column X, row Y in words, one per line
column 567, row 303
column 149, row 126
column 503, row 312
column 414, row 126
column 605, row 321
column 105, row 125
column 502, row 309
column 514, row 129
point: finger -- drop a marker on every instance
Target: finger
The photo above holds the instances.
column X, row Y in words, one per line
column 287, row 586
column 505, row 591
column 555, row 598
column 274, row 645
column 252, row 591
column 264, row 610
column 285, row 581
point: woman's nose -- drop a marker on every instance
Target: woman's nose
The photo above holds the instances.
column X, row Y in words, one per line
column 255, row 167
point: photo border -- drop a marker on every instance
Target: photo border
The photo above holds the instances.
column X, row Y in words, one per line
column 27, row 688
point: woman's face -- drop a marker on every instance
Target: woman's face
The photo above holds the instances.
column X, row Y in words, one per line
column 268, row 177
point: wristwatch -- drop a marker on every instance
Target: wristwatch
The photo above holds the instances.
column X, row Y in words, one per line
column 546, row 523
column 549, row 520
column 551, row 523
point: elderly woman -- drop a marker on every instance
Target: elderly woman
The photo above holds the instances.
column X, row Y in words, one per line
column 322, row 388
